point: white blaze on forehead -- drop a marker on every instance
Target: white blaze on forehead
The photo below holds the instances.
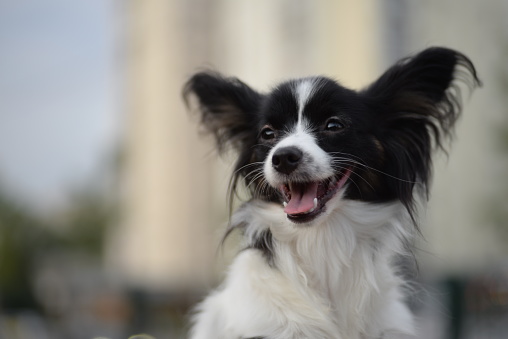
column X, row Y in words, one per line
column 316, row 164
column 303, row 93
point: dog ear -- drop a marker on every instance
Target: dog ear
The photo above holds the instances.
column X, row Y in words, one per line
column 227, row 107
column 417, row 103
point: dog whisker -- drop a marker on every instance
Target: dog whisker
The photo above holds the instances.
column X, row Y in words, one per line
column 354, row 162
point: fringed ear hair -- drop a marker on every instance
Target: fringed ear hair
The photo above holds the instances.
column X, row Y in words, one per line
column 229, row 110
column 227, row 107
column 417, row 103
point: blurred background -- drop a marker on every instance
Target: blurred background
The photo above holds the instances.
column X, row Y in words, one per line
column 112, row 203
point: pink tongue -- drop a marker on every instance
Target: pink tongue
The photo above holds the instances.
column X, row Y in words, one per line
column 302, row 198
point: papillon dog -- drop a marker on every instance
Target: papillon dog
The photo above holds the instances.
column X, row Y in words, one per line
column 336, row 178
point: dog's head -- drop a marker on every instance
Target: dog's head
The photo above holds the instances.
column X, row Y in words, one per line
column 311, row 142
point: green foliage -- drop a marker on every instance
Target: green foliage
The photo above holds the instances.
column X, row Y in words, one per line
column 25, row 237
column 85, row 222
column 22, row 237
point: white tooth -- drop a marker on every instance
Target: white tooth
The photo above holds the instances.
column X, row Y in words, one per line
column 284, row 203
column 315, row 204
column 311, row 210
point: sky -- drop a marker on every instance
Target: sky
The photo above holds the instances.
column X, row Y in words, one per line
column 59, row 116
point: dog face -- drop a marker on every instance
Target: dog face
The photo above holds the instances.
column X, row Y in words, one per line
column 312, row 130
column 311, row 142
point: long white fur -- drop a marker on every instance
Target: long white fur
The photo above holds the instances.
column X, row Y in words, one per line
column 332, row 280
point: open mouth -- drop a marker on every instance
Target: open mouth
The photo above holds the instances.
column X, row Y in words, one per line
column 304, row 201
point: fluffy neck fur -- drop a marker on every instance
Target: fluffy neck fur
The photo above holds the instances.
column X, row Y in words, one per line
column 345, row 264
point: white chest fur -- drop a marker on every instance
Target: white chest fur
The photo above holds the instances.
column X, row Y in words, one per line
column 330, row 280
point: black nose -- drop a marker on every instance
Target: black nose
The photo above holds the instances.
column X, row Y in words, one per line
column 286, row 160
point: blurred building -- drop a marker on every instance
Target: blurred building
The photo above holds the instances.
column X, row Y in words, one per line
column 461, row 233
column 175, row 189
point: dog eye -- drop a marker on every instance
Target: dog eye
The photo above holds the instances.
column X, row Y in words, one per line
column 334, row 125
column 267, row 133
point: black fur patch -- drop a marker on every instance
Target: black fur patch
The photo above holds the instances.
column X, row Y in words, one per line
column 264, row 243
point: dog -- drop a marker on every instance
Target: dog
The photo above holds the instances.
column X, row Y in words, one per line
column 336, row 178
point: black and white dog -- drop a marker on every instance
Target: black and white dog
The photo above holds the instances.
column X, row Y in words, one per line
column 335, row 177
